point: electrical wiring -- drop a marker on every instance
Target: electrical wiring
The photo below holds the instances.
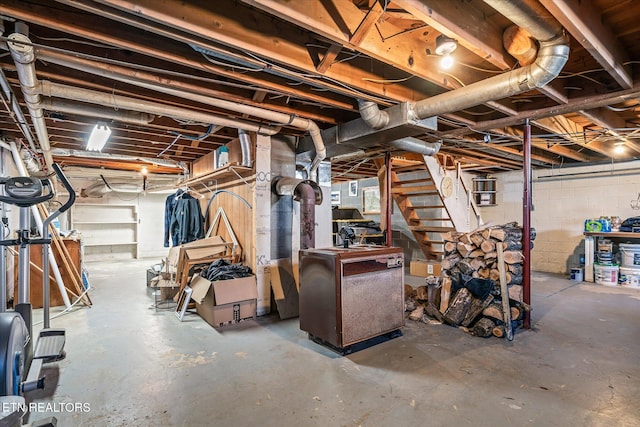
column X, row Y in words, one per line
column 484, row 70
column 454, row 78
column 233, row 67
column 70, row 40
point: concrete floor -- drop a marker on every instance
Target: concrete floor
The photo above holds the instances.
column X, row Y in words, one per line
column 129, row 365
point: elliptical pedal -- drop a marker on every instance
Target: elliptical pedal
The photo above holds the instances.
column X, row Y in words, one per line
column 50, row 345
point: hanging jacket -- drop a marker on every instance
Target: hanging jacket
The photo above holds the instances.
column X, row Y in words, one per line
column 169, row 207
column 187, row 223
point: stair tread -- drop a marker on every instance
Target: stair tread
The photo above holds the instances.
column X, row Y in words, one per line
column 425, row 207
column 417, row 189
column 430, row 228
column 413, row 181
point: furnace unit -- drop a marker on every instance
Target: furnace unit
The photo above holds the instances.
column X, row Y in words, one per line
column 349, row 295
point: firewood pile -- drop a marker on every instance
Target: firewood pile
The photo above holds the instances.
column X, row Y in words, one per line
column 480, row 288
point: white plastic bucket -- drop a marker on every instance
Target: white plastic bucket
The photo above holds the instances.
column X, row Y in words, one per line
column 629, row 255
column 576, row 274
column 630, row 277
column 606, row 274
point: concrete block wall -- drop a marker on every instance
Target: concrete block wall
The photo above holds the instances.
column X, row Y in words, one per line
column 562, row 200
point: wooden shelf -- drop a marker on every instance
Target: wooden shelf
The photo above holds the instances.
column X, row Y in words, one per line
column 229, row 171
column 109, row 244
column 618, row 234
column 105, row 222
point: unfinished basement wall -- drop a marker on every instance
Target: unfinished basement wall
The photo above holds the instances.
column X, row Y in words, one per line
column 562, row 200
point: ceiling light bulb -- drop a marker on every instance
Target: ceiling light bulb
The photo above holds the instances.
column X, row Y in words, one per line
column 144, row 170
column 445, row 45
column 446, row 62
column 619, row 148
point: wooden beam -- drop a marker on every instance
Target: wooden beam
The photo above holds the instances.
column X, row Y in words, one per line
column 280, row 43
column 585, row 24
column 465, row 23
column 146, row 42
column 328, row 58
column 372, row 16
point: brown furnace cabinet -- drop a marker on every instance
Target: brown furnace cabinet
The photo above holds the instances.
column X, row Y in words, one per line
column 349, row 295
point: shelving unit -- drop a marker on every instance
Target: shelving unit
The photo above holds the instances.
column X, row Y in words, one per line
column 108, row 231
column 484, row 191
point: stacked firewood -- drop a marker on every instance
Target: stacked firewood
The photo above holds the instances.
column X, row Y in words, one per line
column 480, row 285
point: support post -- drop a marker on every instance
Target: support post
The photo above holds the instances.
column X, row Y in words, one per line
column 526, row 222
column 387, row 182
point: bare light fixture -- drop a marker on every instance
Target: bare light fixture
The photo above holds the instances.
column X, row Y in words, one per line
column 619, row 148
column 445, row 46
column 99, row 136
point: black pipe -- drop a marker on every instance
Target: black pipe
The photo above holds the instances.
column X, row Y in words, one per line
column 307, row 196
column 389, row 199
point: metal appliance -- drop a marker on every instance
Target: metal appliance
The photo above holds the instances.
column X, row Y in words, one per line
column 349, row 295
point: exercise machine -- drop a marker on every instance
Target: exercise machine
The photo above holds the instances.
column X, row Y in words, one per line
column 20, row 361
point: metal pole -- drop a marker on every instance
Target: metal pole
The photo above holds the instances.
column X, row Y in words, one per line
column 526, row 221
column 387, row 182
column 23, row 258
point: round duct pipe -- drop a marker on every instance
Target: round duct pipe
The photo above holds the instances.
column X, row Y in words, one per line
column 309, row 194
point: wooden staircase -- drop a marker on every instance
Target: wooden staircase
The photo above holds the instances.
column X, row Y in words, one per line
column 416, row 188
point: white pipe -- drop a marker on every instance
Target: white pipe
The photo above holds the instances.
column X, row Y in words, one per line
column 124, row 116
column 36, row 215
column 24, row 57
column 21, row 120
column 48, row 88
column 170, row 87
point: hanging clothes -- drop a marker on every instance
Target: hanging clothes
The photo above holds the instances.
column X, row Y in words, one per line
column 183, row 220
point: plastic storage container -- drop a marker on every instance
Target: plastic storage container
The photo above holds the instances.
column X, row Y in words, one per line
column 223, row 157
column 606, row 274
column 629, row 255
column 630, row 277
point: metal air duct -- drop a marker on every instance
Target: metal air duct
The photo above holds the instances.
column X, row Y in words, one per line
column 410, row 119
column 185, row 91
column 23, row 55
column 245, row 147
column 309, row 194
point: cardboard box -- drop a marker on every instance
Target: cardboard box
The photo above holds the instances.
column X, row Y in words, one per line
column 166, row 287
column 224, row 302
column 425, row 268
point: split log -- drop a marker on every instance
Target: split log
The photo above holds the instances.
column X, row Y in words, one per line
column 465, row 267
column 451, row 236
column 445, row 294
column 494, row 311
column 476, row 253
column 490, row 255
column 515, row 292
column 488, row 246
column 409, row 304
column 421, row 293
column 409, row 292
column 514, row 279
column 450, row 247
column 477, row 239
column 417, row 313
column 449, row 261
column 503, row 233
column 494, row 274
column 465, row 238
column 498, row 331
column 477, row 263
column 513, row 257
column 464, row 249
column 515, row 269
column 433, row 293
column 483, row 328
column 476, row 308
column 512, row 245
column 431, row 311
column 483, row 273
column 458, row 308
